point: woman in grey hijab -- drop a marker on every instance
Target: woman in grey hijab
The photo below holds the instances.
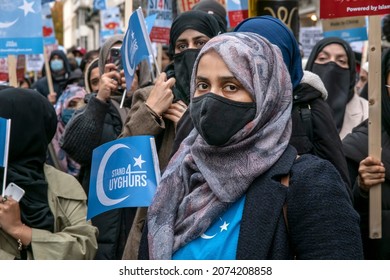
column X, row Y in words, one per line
column 223, row 193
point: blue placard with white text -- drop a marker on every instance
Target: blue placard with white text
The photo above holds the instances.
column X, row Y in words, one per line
column 20, row 27
column 124, row 173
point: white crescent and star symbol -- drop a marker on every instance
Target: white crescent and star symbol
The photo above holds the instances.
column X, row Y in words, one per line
column 27, row 8
column 223, row 227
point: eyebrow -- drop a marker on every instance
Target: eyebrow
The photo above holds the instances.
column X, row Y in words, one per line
column 193, row 39
column 221, row 79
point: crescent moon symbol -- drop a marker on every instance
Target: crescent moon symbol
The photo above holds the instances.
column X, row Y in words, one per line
column 128, row 66
column 8, row 24
column 205, row 236
column 101, row 195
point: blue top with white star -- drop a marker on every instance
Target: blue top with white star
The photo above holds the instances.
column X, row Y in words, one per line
column 220, row 240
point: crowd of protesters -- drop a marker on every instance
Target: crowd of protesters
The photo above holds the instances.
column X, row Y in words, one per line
column 261, row 156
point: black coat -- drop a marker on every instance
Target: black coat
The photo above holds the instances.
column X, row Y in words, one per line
column 322, row 223
column 356, row 149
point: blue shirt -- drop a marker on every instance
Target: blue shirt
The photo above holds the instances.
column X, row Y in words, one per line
column 220, row 240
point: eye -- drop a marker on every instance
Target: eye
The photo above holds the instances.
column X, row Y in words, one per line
column 200, row 43
column 181, row 47
column 342, row 62
column 230, row 88
column 202, row 86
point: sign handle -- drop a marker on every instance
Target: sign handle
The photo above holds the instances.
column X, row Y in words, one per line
column 13, row 79
column 375, row 122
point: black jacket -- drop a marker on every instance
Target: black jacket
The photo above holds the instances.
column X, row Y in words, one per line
column 315, row 230
column 356, row 149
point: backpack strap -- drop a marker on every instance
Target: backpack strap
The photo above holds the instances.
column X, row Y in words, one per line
column 305, row 111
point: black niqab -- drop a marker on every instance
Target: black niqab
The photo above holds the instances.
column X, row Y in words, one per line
column 33, row 125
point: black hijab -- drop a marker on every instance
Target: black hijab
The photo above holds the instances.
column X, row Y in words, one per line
column 351, row 59
column 339, row 82
column 33, row 125
column 200, row 21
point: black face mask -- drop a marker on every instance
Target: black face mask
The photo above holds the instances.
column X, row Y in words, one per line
column 336, row 80
column 183, row 65
column 217, row 118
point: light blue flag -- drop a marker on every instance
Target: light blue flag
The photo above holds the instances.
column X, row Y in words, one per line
column 5, row 128
column 124, row 173
column 99, row 5
column 136, row 45
column 20, row 27
column 149, row 22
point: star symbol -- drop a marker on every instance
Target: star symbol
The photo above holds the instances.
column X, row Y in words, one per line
column 224, row 226
column 139, row 161
column 132, row 35
column 27, row 7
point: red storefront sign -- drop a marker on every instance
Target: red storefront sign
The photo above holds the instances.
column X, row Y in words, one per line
column 351, row 8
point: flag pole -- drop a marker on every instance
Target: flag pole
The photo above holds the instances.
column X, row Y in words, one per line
column 375, row 122
column 48, row 71
column 12, row 77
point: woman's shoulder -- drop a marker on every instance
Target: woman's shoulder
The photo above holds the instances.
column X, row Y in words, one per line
column 314, row 174
column 63, row 184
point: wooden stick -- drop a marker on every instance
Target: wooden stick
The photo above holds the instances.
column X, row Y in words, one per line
column 48, row 71
column 375, row 121
column 12, row 77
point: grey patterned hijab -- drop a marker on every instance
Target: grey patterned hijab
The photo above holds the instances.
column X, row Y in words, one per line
column 202, row 181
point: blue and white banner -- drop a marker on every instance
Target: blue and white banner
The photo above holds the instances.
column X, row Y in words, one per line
column 20, row 27
column 136, row 45
column 5, row 128
column 99, row 4
column 124, row 173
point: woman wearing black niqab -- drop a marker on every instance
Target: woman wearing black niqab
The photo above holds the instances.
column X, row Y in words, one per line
column 53, row 208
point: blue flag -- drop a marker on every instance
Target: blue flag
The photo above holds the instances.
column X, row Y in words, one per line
column 124, row 173
column 136, row 45
column 47, row 1
column 149, row 22
column 5, row 128
column 99, row 5
column 20, row 27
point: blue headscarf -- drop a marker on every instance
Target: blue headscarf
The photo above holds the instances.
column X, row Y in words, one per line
column 278, row 34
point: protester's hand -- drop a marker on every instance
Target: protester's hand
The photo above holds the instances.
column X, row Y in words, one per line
column 9, row 214
column 108, row 82
column 175, row 111
column 161, row 96
column 123, row 79
column 52, row 97
column 371, row 173
column 11, row 223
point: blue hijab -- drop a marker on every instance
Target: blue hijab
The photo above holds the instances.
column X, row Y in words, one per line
column 278, row 34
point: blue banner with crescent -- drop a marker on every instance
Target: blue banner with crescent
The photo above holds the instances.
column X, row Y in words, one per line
column 20, row 27
column 124, row 173
column 136, row 45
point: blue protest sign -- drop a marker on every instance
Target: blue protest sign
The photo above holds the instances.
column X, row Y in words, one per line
column 5, row 128
column 20, row 27
column 124, row 173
